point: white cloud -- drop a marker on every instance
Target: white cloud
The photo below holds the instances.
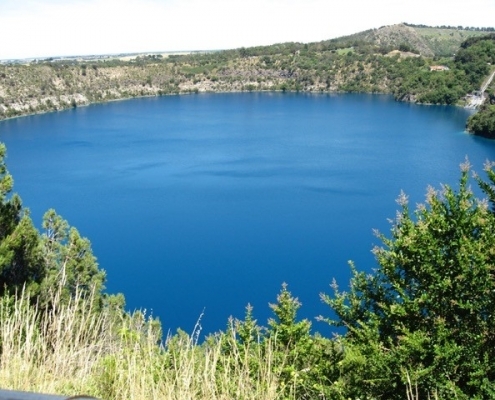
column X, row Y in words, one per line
column 41, row 28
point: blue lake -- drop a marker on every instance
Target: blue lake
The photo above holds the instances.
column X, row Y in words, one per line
column 209, row 202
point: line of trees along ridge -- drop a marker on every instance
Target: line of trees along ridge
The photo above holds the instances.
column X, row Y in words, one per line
column 394, row 60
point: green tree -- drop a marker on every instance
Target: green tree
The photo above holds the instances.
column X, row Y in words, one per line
column 474, row 58
column 20, row 261
column 488, row 187
column 305, row 362
column 69, row 261
column 425, row 318
column 483, row 122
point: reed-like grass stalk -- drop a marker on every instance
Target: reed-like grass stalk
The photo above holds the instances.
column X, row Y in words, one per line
column 73, row 349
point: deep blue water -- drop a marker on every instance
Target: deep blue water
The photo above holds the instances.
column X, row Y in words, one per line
column 210, row 202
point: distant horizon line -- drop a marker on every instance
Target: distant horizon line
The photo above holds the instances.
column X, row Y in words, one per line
column 106, row 55
column 172, row 52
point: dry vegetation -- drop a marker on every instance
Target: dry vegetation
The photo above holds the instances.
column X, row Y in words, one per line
column 70, row 349
column 353, row 63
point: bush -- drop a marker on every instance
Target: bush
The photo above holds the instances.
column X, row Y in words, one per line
column 424, row 319
column 483, row 122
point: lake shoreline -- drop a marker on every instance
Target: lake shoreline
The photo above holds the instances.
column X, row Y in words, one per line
column 190, row 93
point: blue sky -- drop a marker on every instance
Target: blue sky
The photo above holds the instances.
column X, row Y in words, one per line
column 43, row 28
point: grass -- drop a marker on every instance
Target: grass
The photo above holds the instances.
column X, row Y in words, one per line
column 71, row 349
column 343, row 52
column 446, row 42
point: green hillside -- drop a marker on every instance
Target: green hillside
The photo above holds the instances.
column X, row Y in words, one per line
column 394, row 59
column 424, row 40
column 446, row 41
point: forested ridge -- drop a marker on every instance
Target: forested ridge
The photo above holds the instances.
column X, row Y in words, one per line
column 398, row 60
column 421, row 325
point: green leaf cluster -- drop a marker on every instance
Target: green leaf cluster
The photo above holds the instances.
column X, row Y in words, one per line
column 424, row 321
column 20, row 257
column 305, row 363
column 68, row 261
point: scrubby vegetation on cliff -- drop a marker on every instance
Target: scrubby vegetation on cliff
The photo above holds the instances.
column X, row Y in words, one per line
column 394, row 59
column 483, row 122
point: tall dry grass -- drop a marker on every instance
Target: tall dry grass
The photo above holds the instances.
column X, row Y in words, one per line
column 52, row 350
column 72, row 349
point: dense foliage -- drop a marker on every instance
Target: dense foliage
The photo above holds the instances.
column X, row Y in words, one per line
column 58, row 257
column 423, row 322
column 466, row 73
column 483, row 122
column 475, row 57
column 20, row 258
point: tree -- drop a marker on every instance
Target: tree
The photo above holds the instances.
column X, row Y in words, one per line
column 305, row 362
column 59, row 258
column 425, row 318
column 483, row 122
column 488, row 187
column 20, row 258
column 69, row 261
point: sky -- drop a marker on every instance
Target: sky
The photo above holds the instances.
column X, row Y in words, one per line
column 49, row 28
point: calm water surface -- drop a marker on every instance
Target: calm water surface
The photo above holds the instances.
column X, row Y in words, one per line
column 210, row 202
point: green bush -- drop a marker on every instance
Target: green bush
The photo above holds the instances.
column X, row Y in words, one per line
column 483, row 122
column 424, row 320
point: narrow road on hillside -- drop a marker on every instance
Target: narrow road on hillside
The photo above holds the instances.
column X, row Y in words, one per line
column 487, row 83
column 475, row 101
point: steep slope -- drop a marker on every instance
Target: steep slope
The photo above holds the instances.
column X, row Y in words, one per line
column 444, row 42
column 427, row 41
column 373, row 61
column 400, row 35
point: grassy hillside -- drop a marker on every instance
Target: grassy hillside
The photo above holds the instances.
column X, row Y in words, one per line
column 427, row 41
column 393, row 59
column 445, row 42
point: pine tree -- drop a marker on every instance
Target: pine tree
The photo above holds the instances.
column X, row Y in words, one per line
column 20, row 258
column 69, row 261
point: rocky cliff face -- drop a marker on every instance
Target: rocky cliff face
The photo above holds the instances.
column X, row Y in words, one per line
column 374, row 61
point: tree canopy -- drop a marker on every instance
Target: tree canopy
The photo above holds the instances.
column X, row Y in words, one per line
column 423, row 322
column 483, row 122
column 39, row 262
